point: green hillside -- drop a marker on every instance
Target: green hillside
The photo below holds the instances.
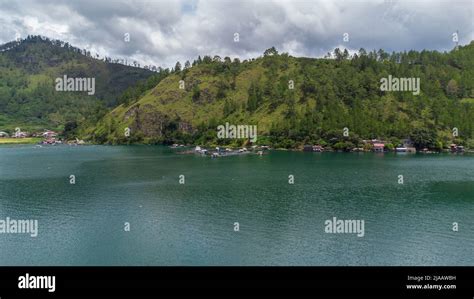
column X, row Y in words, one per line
column 28, row 99
column 329, row 95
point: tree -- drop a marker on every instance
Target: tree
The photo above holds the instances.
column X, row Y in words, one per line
column 423, row 138
column 221, row 90
column 254, row 97
column 338, row 54
column 345, row 55
column 270, row 52
column 207, row 59
column 452, row 88
column 196, row 93
column 70, row 129
column 382, row 55
column 177, row 67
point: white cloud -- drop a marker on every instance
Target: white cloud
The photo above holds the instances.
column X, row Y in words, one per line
column 165, row 31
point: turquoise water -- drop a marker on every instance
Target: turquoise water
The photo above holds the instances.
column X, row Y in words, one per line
column 193, row 223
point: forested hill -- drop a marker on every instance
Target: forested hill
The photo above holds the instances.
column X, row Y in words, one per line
column 28, row 69
column 329, row 94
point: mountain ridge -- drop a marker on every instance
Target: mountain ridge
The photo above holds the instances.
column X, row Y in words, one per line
column 329, row 95
column 28, row 98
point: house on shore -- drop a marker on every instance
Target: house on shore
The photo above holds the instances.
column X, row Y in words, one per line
column 318, row 148
column 312, row 148
column 374, row 145
column 378, row 147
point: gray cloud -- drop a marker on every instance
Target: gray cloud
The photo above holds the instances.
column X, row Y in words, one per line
column 163, row 32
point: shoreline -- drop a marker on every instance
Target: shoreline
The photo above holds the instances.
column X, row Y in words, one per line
column 233, row 152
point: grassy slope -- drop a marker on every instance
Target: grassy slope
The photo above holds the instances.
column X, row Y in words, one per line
column 167, row 102
column 168, row 99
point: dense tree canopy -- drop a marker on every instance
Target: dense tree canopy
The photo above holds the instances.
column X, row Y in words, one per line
column 295, row 101
column 28, row 98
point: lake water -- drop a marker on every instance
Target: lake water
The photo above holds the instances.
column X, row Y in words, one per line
column 193, row 223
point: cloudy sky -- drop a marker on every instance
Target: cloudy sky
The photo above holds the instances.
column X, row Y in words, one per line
column 162, row 32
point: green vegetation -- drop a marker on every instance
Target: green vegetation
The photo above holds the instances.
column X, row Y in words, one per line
column 293, row 101
column 329, row 94
column 28, row 98
column 20, row 140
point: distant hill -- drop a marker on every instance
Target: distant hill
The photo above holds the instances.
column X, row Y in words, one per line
column 28, row 99
column 329, row 95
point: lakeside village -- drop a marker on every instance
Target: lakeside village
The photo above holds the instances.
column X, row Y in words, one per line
column 374, row 145
column 47, row 137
